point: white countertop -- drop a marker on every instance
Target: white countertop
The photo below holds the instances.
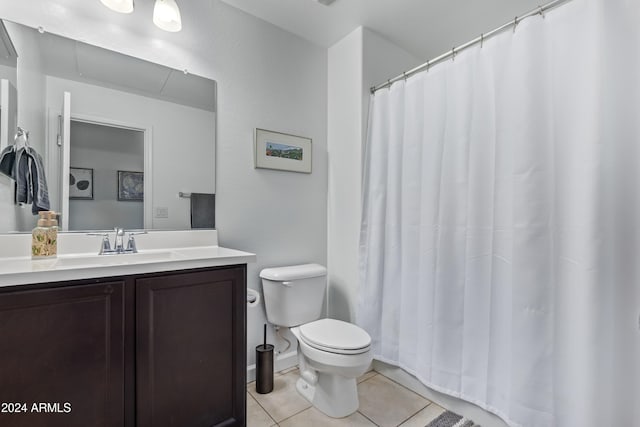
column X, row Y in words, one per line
column 173, row 254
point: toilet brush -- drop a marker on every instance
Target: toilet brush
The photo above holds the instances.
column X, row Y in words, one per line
column 264, row 365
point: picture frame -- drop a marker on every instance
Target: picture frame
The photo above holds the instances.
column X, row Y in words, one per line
column 282, row 151
column 130, row 186
column 80, row 183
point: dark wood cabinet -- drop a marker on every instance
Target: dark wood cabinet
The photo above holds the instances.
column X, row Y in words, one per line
column 157, row 350
column 62, row 350
column 190, row 349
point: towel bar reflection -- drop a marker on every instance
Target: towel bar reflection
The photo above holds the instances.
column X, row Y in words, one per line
column 184, row 195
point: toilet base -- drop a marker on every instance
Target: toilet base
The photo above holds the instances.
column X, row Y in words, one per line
column 334, row 395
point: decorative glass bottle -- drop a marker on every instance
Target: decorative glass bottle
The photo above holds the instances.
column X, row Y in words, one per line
column 44, row 238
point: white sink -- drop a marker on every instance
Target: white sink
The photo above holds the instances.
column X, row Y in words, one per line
column 79, row 261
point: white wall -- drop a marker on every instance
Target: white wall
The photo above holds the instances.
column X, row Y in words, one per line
column 105, row 211
column 7, row 212
column 382, row 60
column 183, row 150
column 273, row 80
column 360, row 60
column 9, row 73
column 344, row 140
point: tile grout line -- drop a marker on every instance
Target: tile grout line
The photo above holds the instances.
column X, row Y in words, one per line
column 263, row 408
column 269, row 414
column 406, row 388
column 291, row 416
column 417, row 412
column 429, row 402
column 372, row 376
column 289, row 370
column 372, row 422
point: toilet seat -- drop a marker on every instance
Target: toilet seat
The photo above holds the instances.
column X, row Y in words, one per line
column 335, row 336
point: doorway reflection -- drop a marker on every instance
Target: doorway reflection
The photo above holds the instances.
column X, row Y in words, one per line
column 96, row 188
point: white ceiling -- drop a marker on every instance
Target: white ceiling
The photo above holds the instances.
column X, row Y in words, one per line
column 425, row 28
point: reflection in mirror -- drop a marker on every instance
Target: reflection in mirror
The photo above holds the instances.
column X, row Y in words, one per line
column 98, row 153
column 8, row 78
column 8, row 123
column 8, row 110
column 121, row 137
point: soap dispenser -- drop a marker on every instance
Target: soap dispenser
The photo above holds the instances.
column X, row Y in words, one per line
column 44, row 238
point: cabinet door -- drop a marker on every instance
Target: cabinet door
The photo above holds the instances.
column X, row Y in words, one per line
column 190, row 349
column 61, row 356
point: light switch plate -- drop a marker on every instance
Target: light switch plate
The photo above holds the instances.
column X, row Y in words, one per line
column 161, row 212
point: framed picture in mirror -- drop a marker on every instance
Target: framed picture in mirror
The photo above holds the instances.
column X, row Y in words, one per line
column 80, row 183
column 130, row 186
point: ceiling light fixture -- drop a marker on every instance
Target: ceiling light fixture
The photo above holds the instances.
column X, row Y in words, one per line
column 166, row 15
column 122, row 6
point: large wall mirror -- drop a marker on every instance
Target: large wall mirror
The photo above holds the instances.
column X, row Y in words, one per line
column 125, row 142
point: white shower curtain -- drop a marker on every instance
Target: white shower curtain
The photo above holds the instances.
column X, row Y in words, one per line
column 499, row 238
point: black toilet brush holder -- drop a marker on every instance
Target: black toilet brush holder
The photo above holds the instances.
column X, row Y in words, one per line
column 264, row 366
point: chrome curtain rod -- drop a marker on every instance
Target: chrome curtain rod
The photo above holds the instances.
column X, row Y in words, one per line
column 540, row 10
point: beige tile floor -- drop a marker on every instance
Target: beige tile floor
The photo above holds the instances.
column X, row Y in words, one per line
column 383, row 403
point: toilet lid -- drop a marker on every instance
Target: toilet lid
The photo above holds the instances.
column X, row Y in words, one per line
column 335, row 336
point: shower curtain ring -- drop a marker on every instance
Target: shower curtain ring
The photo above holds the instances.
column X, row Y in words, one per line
column 453, row 54
column 541, row 11
column 515, row 24
column 404, row 75
column 481, row 40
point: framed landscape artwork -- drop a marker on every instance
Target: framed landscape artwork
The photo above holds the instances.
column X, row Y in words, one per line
column 281, row 151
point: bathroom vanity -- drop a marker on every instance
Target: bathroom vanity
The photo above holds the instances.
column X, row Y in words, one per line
column 155, row 340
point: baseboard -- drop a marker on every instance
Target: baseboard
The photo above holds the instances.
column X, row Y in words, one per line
column 282, row 362
column 459, row 406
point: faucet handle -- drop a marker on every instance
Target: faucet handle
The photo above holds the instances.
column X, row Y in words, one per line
column 118, row 242
column 105, row 246
column 131, row 243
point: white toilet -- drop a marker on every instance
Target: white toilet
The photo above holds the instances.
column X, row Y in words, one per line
column 331, row 353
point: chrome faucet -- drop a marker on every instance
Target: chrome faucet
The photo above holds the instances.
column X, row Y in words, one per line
column 118, row 242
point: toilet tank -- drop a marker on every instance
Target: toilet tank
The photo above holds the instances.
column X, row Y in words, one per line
column 294, row 295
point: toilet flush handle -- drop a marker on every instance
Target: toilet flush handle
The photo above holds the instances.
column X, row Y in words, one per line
column 288, row 284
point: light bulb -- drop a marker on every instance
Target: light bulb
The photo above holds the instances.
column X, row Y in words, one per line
column 166, row 15
column 122, row 6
